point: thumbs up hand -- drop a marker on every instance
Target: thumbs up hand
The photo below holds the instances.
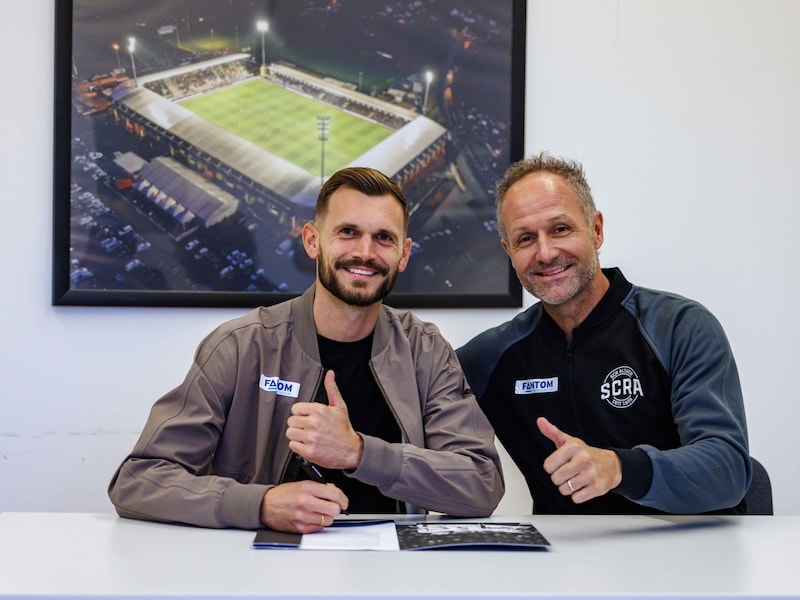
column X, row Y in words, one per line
column 577, row 469
column 323, row 434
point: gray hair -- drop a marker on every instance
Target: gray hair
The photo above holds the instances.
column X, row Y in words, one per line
column 569, row 170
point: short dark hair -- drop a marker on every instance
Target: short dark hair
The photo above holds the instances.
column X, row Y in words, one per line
column 362, row 179
column 569, row 170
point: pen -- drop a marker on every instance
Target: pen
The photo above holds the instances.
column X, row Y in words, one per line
column 312, row 470
column 314, row 473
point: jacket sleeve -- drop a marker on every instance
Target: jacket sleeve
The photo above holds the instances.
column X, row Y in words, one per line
column 167, row 477
column 454, row 467
column 711, row 470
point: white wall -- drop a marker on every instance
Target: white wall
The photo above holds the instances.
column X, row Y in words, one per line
column 684, row 113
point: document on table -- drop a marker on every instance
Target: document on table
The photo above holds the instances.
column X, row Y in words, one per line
column 388, row 535
column 371, row 536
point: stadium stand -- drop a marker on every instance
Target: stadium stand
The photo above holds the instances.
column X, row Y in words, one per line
column 164, row 179
column 416, row 142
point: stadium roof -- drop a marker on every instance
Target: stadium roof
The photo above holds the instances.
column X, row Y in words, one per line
column 391, row 155
column 131, row 162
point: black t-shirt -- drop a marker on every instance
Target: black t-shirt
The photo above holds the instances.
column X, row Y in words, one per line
column 369, row 414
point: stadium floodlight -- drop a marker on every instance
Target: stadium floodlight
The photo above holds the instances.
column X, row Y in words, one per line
column 263, row 27
column 115, row 48
column 323, row 128
column 131, row 50
column 428, row 79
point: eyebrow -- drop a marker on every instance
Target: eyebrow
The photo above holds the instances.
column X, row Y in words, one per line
column 388, row 232
column 562, row 217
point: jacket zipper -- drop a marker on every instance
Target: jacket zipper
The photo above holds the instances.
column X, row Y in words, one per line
column 569, row 359
column 403, row 436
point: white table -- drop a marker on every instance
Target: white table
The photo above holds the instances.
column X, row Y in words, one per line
column 58, row 555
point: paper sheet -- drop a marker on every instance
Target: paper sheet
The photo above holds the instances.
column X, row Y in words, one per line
column 373, row 536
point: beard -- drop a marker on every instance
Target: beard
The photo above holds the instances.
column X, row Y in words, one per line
column 360, row 295
column 579, row 280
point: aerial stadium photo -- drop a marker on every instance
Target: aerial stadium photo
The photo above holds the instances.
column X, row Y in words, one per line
column 195, row 135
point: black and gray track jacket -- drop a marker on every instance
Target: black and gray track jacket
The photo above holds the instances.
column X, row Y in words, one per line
column 649, row 374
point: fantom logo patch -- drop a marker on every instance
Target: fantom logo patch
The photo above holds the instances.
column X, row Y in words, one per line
column 621, row 387
column 279, row 386
column 525, row 387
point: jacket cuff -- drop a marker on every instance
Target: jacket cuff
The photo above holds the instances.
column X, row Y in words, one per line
column 241, row 506
column 380, row 466
column 637, row 472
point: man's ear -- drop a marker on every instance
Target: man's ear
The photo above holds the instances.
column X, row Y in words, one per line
column 597, row 227
column 311, row 240
column 505, row 246
column 405, row 255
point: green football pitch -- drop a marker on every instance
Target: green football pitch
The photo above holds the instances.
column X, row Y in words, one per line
column 285, row 123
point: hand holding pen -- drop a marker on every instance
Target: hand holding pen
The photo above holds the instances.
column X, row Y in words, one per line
column 302, row 506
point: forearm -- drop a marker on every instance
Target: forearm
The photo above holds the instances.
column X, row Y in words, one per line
column 459, row 483
column 709, row 475
column 156, row 490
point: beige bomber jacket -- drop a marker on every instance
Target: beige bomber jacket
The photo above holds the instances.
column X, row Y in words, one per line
column 215, row 444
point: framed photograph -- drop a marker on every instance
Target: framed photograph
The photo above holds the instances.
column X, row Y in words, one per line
column 192, row 137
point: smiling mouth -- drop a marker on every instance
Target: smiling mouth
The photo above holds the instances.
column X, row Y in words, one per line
column 552, row 272
column 361, row 269
column 360, row 272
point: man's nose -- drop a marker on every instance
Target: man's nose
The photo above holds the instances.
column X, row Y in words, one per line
column 546, row 250
column 364, row 246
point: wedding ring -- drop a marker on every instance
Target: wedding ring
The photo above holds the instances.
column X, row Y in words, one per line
column 569, row 485
column 321, row 520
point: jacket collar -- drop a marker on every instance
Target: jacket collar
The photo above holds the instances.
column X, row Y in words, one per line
column 610, row 302
column 305, row 332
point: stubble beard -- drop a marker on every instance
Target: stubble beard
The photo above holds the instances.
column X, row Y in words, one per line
column 579, row 281
column 355, row 297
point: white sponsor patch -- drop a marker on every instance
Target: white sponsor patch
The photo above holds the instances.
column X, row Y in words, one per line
column 279, row 386
column 536, row 386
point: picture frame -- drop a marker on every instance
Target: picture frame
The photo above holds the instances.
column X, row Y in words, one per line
column 191, row 138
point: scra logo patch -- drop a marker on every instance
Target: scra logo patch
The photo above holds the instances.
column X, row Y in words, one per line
column 621, row 387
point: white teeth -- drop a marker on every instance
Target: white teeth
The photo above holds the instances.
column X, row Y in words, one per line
column 360, row 272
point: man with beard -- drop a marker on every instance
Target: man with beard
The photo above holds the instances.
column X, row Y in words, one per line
column 611, row 398
column 325, row 403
